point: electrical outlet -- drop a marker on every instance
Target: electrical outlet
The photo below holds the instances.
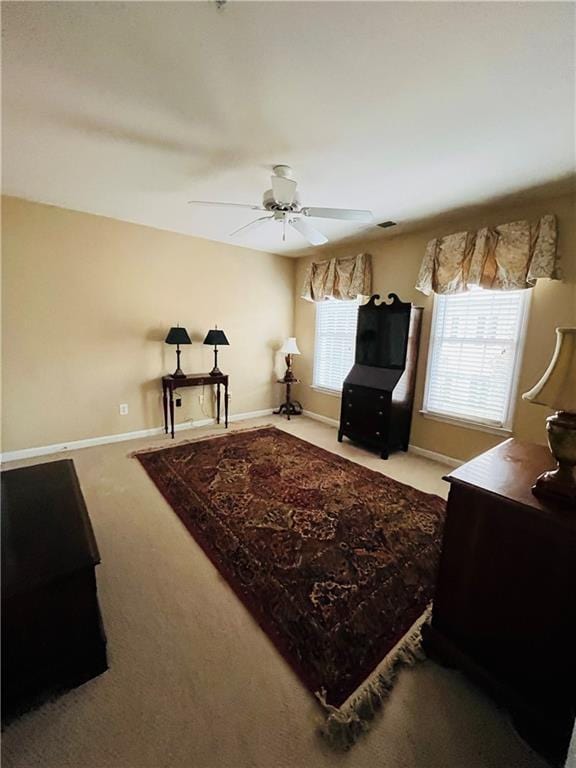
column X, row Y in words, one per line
column 178, row 402
column 123, row 409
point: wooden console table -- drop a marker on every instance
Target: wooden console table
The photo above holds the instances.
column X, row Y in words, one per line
column 504, row 609
column 169, row 384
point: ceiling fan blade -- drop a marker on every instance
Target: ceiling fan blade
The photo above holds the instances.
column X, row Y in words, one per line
column 348, row 214
column 283, row 190
column 227, row 205
column 309, row 232
column 252, row 225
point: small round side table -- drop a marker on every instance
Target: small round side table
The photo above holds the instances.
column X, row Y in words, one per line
column 289, row 407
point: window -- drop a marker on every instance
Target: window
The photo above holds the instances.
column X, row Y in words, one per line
column 335, row 342
column 474, row 355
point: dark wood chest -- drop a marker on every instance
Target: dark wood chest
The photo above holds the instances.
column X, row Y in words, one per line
column 52, row 634
column 505, row 603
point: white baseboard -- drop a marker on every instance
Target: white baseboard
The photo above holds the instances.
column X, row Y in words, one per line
column 448, row 460
column 45, row 450
column 250, row 415
column 323, row 419
column 440, row 457
column 73, row 445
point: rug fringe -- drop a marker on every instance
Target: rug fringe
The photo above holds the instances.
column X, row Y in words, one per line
column 344, row 725
column 177, row 444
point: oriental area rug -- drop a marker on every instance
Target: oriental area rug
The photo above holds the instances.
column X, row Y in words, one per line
column 335, row 561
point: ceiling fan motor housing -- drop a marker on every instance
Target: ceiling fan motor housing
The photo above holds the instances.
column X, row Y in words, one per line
column 271, row 204
column 284, row 171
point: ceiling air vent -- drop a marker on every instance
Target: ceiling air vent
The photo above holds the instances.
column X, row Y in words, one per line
column 386, row 224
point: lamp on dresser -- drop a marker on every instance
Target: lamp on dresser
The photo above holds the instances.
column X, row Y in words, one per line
column 557, row 390
column 177, row 335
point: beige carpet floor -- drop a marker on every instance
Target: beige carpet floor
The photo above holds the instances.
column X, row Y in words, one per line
column 194, row 683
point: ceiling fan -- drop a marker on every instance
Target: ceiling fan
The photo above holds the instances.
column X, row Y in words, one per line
column 283, row 206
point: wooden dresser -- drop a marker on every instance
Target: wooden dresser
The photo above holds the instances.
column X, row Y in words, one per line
column 505, row 604
column 378, row 393
column 52, row 634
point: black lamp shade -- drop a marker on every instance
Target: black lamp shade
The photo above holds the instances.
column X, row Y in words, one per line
column 178, row 336
column 216, row 337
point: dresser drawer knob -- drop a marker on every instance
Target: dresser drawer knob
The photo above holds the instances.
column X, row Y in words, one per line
column 378, row 434
column 347, row 423
column 349, row 405
column 381, row 397
column 380, row 413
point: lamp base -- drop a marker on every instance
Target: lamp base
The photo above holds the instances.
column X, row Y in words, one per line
column 560, row 483
column 178, row 373
column 215, row 371
column 289, row 375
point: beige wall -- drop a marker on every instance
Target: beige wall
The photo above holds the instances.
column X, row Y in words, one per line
column 87, row 302
column 396, row 263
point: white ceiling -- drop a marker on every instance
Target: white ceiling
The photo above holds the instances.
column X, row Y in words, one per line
column 129, row 109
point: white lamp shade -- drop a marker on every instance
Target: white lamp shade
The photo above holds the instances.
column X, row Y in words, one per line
column 290, row 347
column 557, row 387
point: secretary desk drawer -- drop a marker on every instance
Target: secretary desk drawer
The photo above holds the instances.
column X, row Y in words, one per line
column 364, row 412
column 363, row 399
column 365, row 427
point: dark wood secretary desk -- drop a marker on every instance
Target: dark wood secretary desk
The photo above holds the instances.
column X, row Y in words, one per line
column 378, row 393
column 505, row 603
column 171, row 383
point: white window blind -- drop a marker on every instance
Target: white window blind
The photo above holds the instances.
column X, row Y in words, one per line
column 474, row 354
column 335, row 342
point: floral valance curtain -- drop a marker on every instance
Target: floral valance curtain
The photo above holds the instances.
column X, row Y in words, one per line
column 345, row 278
column 504, row 258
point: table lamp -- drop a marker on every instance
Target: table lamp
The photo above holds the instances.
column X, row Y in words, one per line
column 216, row 337
column 177, row 335
column 288, row 349
column 557, row 390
